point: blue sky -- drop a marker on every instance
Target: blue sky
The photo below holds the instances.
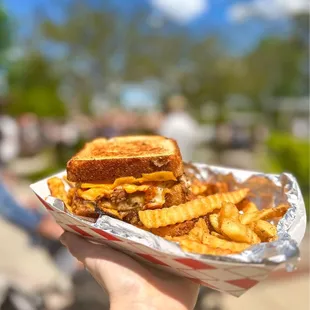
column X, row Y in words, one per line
column 240, row 36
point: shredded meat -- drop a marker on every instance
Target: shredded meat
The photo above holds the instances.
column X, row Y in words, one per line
column 118, row 195
column 131, row 217
column 154, row 198
column 131, row 203
column 83, row 207
column 125, row 206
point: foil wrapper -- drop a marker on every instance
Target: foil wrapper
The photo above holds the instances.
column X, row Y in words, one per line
column 266, row 191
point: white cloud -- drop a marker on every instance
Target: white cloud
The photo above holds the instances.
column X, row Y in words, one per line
column 271, row 9
column 182, row 11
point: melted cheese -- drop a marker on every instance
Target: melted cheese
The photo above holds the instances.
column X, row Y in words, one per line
column 111, row 211
column 95, row 192
column 160, row 176
column 158, row 199
column 129, row 188
column 90, row 191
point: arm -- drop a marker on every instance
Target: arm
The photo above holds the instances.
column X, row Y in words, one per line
column 10, row 210
column 28, row 220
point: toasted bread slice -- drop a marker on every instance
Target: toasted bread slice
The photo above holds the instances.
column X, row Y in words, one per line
column 103, row 161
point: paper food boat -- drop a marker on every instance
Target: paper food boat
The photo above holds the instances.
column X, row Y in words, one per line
column 233, row 274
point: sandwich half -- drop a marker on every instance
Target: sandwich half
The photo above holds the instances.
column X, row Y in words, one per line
column 123, row 175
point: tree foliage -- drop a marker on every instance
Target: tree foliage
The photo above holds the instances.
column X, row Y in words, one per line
column 292, row 155
column 4, row 34
column 34, row 88
column 103, row 45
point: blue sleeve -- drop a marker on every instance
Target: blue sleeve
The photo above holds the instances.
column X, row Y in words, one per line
column 16, row 214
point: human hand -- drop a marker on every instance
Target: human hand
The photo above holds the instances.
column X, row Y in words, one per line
column 48, row 228
column 130, row 284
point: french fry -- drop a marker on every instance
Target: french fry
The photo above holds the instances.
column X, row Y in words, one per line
column 190, row 210
column 196, row 233
column 264, row 214
column 247, row 206
column 250, row 207
column 214, row 220
column 57, row 189
column 210, row 224
column 196, row 247
column 222, row 187
column 265, row 230
column 198, row 189
column 236, row 231
column 177, row 238
column 201, row 223
column 215, row 234
column 229, row 211
column 199, row 230
column 71, row 194
column 215, row 242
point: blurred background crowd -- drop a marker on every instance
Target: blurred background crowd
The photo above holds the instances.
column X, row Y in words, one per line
column 229, row 80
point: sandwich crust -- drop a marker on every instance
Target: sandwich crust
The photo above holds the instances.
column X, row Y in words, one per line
column 103, row 161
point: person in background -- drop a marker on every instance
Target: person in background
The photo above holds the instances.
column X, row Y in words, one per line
column 9, row 137
column 30, row 134
column 31, row 221
column 180, row 126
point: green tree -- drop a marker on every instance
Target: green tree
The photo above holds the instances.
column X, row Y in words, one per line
column 290, row 154
column 4, row 34
column 103, row 45
column 33, row 87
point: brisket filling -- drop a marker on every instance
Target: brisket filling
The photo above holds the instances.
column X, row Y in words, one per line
column 125, row 206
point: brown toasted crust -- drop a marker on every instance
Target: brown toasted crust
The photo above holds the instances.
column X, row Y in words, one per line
column 130, row 157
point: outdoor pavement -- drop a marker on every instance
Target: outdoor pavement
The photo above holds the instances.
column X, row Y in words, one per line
column 29, row 268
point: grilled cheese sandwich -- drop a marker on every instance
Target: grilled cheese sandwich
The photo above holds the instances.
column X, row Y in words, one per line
column 123, row 175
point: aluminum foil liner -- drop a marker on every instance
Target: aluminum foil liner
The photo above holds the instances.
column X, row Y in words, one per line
column 234, row 274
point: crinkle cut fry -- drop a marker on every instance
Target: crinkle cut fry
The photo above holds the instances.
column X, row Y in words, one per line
column 215, row 242
column 190, row 210
column 196, row 247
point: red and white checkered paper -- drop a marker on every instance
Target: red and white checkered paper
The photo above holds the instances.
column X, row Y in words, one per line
column 232, row 278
